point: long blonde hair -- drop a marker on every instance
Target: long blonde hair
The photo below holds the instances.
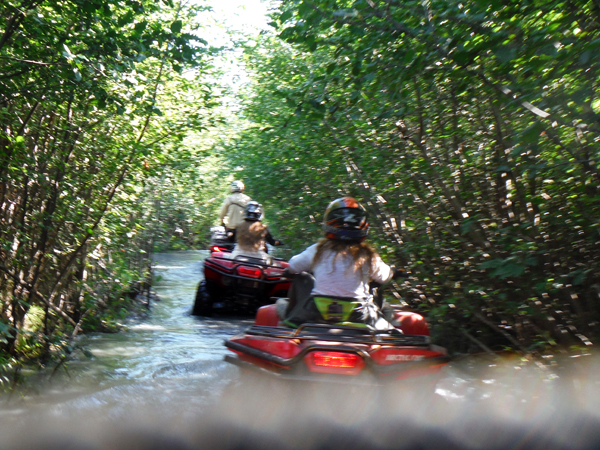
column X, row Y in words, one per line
column 362, row 253
column 251, row 236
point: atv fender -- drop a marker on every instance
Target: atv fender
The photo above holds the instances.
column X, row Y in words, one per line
column 266, row 316
column 412, row 323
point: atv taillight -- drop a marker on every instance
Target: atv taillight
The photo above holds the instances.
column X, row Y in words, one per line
column 334, row 362
column 334, row 359
column 216, row 248
column 249, row 272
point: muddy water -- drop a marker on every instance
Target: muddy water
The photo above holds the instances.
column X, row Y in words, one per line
column 162, row 383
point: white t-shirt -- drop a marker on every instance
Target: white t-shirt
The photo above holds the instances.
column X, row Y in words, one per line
column 338, row 279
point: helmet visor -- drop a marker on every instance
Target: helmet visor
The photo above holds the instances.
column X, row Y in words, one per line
column 352, row 218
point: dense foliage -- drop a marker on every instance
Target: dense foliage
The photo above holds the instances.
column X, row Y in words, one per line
column 95, row 99
column 469, row 128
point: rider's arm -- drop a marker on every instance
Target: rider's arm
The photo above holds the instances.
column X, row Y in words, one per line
column 303, row 261
column 269, row 237
column 381, row 272
column 271, row 240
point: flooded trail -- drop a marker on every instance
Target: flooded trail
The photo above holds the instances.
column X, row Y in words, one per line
column 162, row 383
column 170, row 342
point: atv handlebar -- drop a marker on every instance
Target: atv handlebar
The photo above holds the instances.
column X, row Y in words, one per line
column 400, row 273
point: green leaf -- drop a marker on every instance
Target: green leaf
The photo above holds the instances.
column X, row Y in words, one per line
column 466, row 226
column 5, row 329
column 492, row 264
column 505, row 53
column 140, row 27
column 509, row 270
column 67, row 53
column 125, row 19
column 585, row 57
column 286, row 15
column 176, row 26
column 532, row 133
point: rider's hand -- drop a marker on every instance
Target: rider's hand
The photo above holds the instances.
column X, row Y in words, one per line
column 278, row 243
column 400, row 273
column 287, row 273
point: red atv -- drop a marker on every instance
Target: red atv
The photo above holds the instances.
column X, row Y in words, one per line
column 320, row 351
column 220, row 241
column 239, row 285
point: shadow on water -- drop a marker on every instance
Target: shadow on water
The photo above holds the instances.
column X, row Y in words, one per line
column 163, row 384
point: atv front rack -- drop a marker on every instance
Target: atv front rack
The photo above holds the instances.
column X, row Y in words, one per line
column 340, row 333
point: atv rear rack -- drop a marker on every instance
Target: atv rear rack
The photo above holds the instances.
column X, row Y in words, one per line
column 248, row 260
column 340, row 333
column 289, row 363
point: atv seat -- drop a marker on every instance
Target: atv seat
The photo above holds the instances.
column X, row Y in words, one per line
column 409, row 322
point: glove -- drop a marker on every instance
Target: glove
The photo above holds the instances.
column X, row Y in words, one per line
column 287, row 273
column 399, row 273
column 278, row 243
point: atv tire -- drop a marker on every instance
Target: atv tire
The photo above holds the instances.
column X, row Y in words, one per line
column 203, row 305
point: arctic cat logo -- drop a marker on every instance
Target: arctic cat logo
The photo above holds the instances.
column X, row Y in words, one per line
column 404, row 357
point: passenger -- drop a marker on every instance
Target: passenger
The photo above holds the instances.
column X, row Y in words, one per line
column 233, row 209
column 343, row 265
column 252, row 234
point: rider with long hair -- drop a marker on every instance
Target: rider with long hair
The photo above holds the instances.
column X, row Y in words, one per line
column 343, row 265
column 252, row 235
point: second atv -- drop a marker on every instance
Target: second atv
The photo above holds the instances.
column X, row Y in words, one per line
column 240, row 284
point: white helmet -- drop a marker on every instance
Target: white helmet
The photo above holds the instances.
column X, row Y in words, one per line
column 237, row 186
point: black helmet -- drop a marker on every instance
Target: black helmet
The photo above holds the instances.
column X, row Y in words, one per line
column 253, row 211
column 345, row 219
